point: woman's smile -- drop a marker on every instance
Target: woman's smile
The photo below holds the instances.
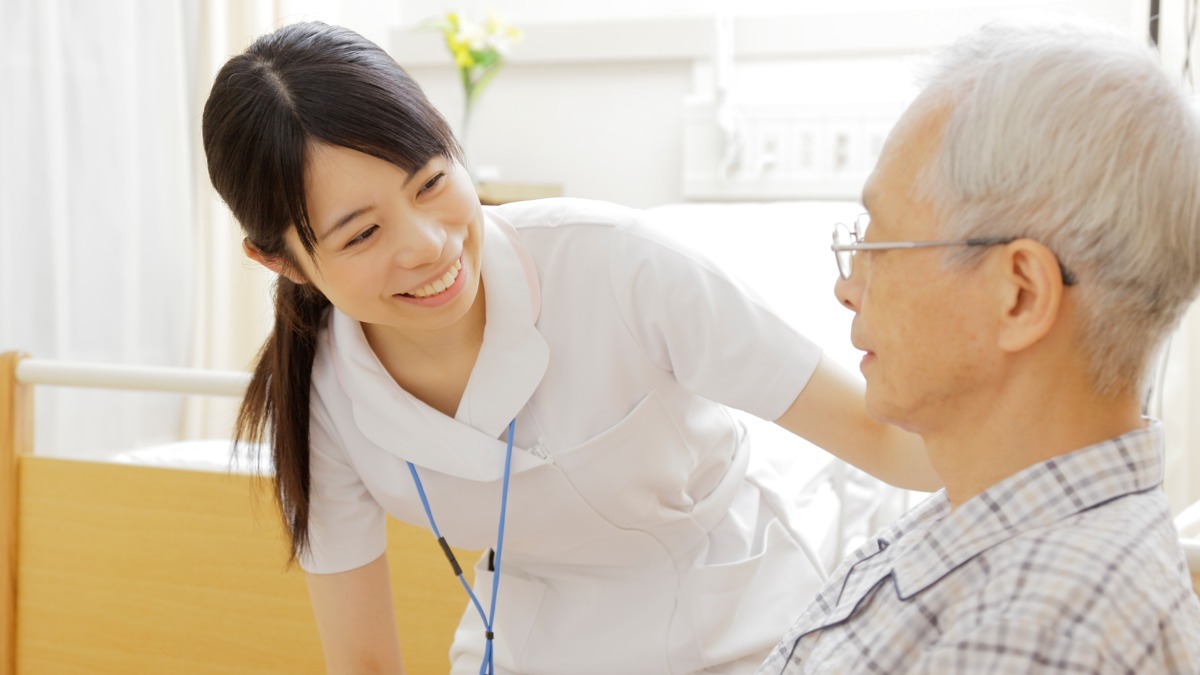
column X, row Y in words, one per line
column 441, row 290
column 408, row 242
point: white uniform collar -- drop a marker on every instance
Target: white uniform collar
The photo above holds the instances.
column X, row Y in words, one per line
column 509, row 368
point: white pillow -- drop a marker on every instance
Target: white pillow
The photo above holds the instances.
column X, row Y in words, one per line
column 201, row 455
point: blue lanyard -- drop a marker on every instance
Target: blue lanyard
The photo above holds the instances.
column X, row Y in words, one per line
column 485, row 668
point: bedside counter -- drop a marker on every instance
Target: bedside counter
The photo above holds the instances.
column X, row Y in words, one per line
column 493, row 194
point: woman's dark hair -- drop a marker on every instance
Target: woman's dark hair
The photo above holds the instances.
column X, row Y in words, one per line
column 303, row 84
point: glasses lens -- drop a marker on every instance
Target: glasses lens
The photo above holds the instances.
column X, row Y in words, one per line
column 861, row 223
column 841, row 237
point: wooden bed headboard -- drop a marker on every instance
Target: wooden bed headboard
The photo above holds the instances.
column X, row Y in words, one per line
column 117, row 568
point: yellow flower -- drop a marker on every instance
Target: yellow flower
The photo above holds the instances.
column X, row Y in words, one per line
column 478, row 49
column 462, row 56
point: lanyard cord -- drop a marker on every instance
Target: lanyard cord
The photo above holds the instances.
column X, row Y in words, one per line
column 485, row 668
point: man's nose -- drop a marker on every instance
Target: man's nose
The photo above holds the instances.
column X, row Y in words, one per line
column 848, row 292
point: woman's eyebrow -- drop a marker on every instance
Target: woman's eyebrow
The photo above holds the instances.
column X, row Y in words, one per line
column 343, row 221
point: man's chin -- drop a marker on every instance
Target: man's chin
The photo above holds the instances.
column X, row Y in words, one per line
column 882, row 410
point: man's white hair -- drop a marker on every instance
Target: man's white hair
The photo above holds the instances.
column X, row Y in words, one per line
column 1075, row 136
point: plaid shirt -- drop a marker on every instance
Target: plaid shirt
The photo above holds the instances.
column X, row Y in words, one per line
column 1070, row 566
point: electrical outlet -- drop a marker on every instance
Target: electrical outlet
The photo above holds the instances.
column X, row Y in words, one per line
column 786, row 151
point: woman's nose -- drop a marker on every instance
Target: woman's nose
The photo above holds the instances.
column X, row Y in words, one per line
column 420, row 242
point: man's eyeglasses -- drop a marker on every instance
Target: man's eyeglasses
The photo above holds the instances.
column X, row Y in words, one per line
column 848, row 239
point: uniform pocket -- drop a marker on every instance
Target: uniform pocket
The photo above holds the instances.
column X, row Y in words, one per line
column 636, row 472
column 740, row 609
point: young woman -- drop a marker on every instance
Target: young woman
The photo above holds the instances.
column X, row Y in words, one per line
column 419, row 335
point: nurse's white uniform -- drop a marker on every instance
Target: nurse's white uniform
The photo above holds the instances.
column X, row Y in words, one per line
column 637, row 540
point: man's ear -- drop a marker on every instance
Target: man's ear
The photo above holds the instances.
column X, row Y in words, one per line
column 1032, row 294
column 274, row 263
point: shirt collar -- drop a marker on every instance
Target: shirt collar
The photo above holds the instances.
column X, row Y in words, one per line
column 514, row 355
column 509, row 368
column 1038, row 495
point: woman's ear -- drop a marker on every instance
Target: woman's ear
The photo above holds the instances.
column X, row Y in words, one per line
column 274, row 263
column 1033, row 294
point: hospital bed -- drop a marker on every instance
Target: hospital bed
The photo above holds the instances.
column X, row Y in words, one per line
column 121, row 567
column 127, row 567
column 170, row 560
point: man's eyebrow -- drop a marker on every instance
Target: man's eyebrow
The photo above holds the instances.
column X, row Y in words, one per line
column 342, row 222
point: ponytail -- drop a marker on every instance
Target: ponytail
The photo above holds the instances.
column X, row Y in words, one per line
column 276, row 404
column 304, row 84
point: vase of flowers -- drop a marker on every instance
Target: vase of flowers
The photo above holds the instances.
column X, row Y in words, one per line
column 479, row 49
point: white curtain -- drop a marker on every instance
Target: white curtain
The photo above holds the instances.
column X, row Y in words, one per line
column 1177, row 403
column 95, row 207
column 231, row 312
column 113, row 246
column 1177, row 388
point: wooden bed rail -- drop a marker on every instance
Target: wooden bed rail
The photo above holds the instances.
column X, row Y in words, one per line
column 131, row 569
column 31, row 371
column 18, row 374
column 16, row 438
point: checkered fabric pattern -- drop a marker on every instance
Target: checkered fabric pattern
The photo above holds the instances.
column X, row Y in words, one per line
column 1070, row 566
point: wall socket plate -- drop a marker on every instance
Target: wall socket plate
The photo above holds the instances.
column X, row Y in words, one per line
column 776, row 151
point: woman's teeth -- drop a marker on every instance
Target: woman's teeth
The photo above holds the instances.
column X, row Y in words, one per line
column 440, row 285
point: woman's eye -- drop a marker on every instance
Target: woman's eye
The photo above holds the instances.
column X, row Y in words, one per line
column 363, row 236
column 433, row 182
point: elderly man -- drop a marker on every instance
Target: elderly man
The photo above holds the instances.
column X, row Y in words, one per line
column 1034, row 235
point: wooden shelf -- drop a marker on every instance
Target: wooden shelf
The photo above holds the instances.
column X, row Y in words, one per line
column 491, row 194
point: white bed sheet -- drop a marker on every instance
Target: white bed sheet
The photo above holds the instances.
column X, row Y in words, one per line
column 216, row 454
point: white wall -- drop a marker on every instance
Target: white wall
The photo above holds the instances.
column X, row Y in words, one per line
column 605, row 131
column 413, row 11
column 593, row 99
column 1173, row 36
